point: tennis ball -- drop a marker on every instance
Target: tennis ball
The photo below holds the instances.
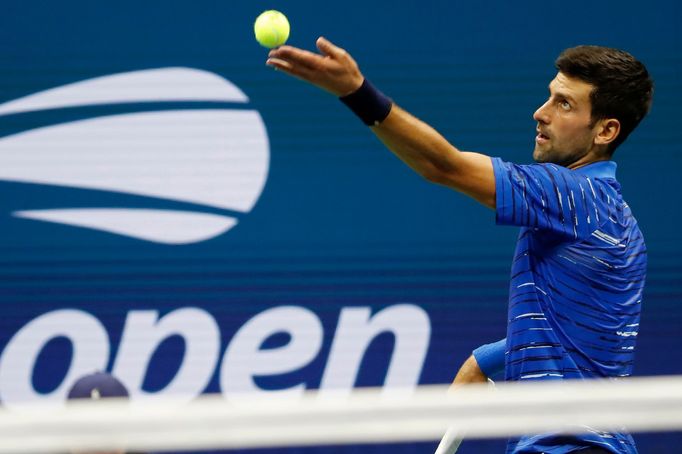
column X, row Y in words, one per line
column 271, row 28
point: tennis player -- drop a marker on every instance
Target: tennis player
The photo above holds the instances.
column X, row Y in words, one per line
column 580, row 262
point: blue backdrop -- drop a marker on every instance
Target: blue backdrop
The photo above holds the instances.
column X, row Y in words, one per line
column 325, row 223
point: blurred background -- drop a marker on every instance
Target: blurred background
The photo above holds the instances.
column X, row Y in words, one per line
column 177, row 213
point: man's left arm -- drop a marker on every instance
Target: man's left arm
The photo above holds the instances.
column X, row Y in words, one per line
column 428, row 153
column 416, row 143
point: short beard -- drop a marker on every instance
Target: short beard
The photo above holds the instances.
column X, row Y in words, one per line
column 552, row 158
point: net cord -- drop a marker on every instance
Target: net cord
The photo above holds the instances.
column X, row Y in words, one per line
column 369, row 415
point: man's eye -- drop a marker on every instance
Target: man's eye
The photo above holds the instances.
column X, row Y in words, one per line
column 565, row 105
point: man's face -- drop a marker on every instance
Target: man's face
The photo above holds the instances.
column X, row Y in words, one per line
column 564, row 131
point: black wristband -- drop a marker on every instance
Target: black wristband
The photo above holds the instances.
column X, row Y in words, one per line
column 368, row 103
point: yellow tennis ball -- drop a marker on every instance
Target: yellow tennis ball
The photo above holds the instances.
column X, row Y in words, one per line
column 271, row 28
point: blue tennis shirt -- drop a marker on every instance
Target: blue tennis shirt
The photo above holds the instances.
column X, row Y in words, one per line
column 576, row 284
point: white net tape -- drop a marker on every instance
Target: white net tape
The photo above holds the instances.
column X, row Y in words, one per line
column 366, row 416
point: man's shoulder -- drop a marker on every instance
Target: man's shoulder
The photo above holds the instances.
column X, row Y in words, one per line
column 550, row 175
column 533, row 167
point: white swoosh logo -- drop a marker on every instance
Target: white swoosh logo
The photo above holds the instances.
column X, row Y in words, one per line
column 179, row 227
column 216, row 158
column 152, row 85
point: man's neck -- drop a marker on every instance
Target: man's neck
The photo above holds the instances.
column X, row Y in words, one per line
column 589, row 158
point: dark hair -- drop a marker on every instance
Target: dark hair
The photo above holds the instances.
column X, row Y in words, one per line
column 622, row 86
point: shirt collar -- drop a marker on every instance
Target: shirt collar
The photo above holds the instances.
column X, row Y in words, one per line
column 600, row 169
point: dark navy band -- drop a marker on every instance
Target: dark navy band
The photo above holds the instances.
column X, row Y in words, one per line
column 368, row 103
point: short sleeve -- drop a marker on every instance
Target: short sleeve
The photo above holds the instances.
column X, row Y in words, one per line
column 545, row 197
column 491, row 358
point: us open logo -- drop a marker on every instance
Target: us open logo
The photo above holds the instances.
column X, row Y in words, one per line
column 204, row 157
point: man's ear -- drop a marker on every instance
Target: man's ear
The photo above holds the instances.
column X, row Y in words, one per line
column 607, row 131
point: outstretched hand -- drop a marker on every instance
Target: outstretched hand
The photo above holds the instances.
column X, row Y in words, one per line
column 333, row 69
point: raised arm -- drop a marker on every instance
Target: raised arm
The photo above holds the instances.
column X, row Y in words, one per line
column 413, row 141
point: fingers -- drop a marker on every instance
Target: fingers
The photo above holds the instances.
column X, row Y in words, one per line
column 296, row 56
column 298, row 71
column 329, row 49
column 294, row 61
column 334, row 70
column 279, row 64
column 301, row 63
column 309, row 59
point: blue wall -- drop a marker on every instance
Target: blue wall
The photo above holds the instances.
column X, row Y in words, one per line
column 340, row 223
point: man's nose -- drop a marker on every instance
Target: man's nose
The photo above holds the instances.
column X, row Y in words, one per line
column 541, row 115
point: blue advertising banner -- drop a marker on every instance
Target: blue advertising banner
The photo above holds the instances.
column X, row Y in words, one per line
column 177, row 213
